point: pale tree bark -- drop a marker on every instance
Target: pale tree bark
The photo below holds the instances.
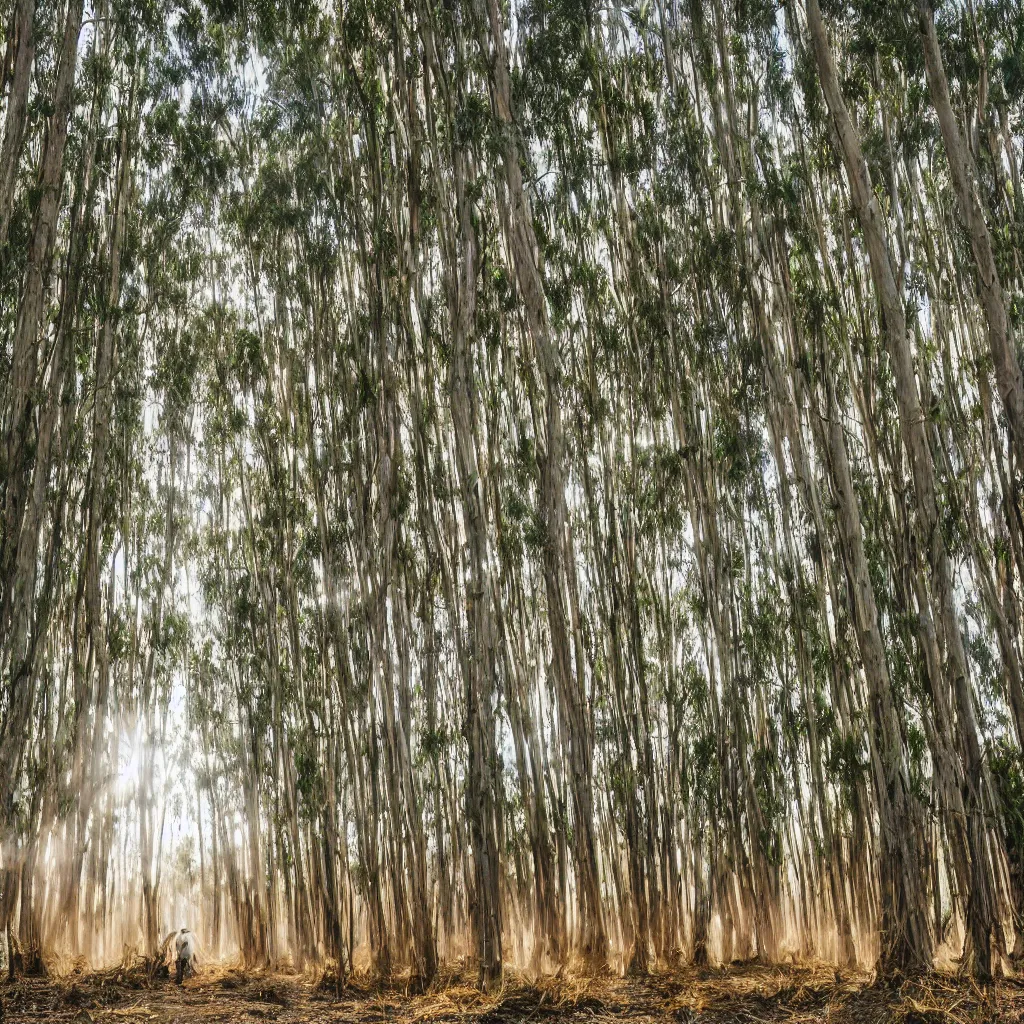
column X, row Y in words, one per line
column 23, row 46
column 485, row 902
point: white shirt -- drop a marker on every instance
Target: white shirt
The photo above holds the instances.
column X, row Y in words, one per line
column 185, row 944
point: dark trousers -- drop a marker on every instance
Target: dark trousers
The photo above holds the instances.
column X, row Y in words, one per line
column 183, row 964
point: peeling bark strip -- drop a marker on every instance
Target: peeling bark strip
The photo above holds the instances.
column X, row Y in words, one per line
column 906, row 938
column 21, row 51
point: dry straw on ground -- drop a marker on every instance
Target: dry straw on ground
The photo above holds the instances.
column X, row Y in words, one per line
column 740, row 994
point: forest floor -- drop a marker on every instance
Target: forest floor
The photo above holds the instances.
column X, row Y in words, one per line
column 740, row 994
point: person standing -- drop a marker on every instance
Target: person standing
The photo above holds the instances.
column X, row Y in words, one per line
column 185, row 951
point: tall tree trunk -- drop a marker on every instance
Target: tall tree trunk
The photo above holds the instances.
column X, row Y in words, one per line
column 22, row 44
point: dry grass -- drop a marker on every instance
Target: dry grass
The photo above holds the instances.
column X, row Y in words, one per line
column 808, row 993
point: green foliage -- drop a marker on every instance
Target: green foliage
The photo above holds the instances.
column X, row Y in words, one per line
column 1007, row 770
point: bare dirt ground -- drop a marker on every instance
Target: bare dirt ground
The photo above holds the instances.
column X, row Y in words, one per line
column 740, row 994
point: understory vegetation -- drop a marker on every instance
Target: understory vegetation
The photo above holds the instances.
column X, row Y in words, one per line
column 532, row 481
